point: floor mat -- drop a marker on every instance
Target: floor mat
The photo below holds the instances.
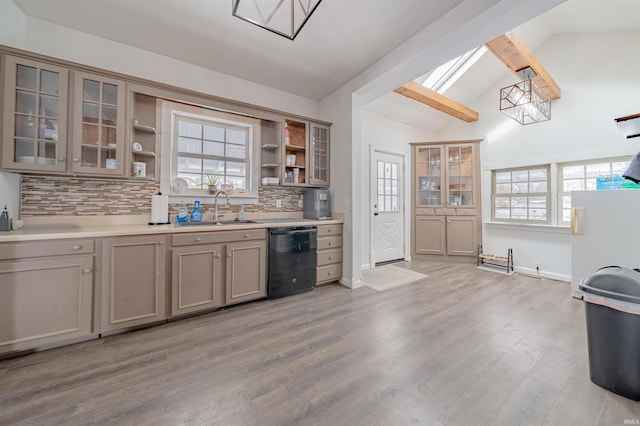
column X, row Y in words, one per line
column 389, row 276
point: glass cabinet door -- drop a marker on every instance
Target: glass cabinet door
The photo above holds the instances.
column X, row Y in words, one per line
column 460, row 175
column 98, row 125
column 429, row 174
column 35, row 115
column 319, row 155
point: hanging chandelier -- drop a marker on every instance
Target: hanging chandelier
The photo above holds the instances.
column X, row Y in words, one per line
column 525, row 102
column 283, row 17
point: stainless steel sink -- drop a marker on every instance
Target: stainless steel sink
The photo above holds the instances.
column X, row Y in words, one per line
column 212, row 223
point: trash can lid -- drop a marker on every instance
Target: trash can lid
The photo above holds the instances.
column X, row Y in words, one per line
column 615, row 282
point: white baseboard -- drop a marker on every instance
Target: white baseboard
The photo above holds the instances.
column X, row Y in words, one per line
column 351, row 284
column 365, row 266
column 542, row 274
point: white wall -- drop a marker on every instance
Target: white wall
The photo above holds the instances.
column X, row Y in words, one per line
column 381, row 133
column 12, row 25
column 599, row 81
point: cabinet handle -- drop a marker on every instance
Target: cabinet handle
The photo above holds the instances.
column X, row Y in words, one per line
column 330, row 257
column 197, row 240
column 76, row 159
column 247, row 235
column 217, row 256
column 161, row 243
column 76, row 247
column 330, row 243
column 330, row 273
column 86, row 271
column 329, row 231
column 60, row 158
column 229, row 254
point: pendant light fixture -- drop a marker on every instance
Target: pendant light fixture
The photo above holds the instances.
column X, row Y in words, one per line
column 283, row 17
column 525, row 102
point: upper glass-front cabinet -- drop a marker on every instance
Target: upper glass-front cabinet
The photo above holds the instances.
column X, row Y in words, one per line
column 445, row 175
column 98, row 125
column 460, row 175
column 319, row 160
column 35, row 115
column 429, row 174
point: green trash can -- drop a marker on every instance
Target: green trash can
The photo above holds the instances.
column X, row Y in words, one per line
column 612, row 308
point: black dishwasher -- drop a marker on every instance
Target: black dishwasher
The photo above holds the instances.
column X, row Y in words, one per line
column 292, row 260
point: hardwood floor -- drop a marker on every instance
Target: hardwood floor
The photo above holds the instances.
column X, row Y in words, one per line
column 460, row 347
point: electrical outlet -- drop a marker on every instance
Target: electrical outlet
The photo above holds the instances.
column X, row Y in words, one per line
column 538, row 266
column 278, row 204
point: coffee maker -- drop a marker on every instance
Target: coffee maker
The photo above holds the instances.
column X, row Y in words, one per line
column 316, row 204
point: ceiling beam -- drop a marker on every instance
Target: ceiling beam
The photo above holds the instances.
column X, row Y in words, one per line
column 512, row 51
column 435, row 100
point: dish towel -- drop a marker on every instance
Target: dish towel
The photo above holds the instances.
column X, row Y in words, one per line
column 633, row 171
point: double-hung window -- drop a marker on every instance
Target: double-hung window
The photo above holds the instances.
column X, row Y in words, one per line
column 581, row 176
column 521, row 195
column 209, row 145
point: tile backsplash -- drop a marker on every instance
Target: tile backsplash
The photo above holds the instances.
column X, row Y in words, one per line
column 74, row 196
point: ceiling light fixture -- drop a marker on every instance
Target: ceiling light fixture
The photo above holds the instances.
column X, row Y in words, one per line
column 283, row 17
column 525, row 102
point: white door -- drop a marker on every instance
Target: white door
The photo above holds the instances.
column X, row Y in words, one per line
column 388, row 202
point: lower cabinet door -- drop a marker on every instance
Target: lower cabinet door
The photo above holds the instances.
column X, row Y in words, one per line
column 133, row 281
column 197, row 274
column 45, row 301
column 246, row 271
column 430, row 234
column 461, row 236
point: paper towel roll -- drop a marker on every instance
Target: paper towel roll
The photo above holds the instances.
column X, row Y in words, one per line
column 159, row 210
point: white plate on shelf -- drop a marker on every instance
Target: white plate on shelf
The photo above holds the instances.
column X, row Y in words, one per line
column 179, row 186
column 137, row 147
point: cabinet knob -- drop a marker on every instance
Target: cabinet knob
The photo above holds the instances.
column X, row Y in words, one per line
column 330, row 273
column 76, row 247
column 86, row 271
column 197, row 240
column 60, row 158
column 217, row 256
column 76, row 159
column 247, row 235
column 330, row 257
column 229, row 254
column 330, row 243
column 329, row 230
column 160, row 243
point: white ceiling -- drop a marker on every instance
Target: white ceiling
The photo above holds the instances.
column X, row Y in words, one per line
column 340, row 40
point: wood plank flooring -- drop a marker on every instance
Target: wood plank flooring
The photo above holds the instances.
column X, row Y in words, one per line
column 460, row 347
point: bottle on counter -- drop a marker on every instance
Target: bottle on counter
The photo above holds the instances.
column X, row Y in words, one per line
column 241, row 214
column 5, row 223
column 196, row 214
column 183, row 214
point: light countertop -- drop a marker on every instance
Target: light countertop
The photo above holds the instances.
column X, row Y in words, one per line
column 63, row 228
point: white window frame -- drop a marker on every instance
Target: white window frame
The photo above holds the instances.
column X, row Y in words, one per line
column 546, row 194
column 589, row 182
column 171, row 112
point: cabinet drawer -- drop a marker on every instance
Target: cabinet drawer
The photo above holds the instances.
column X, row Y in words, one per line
column 426, row 211
column 329, row 242
column 45, row 248
column 465, row 212
column 327, row 257
column 324, row 230
column 214, row 237
column 443, row 211
column 329, row 273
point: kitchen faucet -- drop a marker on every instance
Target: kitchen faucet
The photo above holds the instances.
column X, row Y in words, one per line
column 215, row 211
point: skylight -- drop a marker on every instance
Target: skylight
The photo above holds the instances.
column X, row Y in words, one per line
column 445, row 75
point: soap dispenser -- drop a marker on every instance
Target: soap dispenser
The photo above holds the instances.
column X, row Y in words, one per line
column 241, row 214
column 196, row 214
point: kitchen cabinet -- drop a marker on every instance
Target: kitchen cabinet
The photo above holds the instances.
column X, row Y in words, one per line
column 35, row 105
column 213, row 269
column 133, row 272
column 446, row 199
column 46, row 293
column 270, row 154
column 329, row 253
column 306, row 153
column 144, row 141
column 319, row 157
column 98, row 125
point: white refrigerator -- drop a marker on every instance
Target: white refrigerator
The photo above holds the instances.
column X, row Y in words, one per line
column 605, row 231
